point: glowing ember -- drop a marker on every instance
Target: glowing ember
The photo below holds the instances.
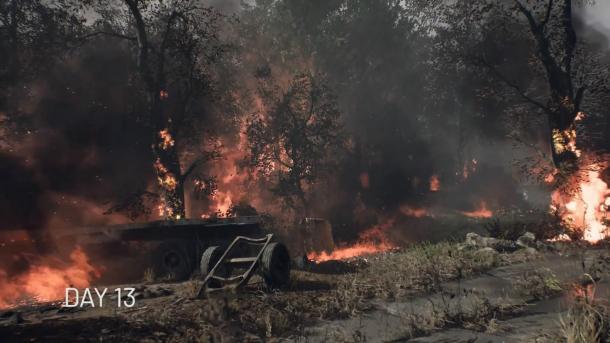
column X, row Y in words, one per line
column 371, row 241
column 550, row 177
column 561, row 238
column 469, row 168
column 46, row 283
column 435, row 184
column 166, row 139
column 364, row 180
column 481, row 212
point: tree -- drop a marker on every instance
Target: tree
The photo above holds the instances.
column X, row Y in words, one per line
column 559, row 59
column 174, row 43
column 291, row 143
column 33, row 34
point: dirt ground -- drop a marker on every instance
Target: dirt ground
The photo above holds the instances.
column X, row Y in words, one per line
column 428, row 293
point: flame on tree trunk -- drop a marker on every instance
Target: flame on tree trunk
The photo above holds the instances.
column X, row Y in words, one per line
column 166, row 161
column 562, row 124
column 169, row 175
column 556, row 39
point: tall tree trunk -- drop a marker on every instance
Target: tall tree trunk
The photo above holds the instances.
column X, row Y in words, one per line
column 303, row 198
column 13, row 29
column 165, row 153
column 564, row 102
column 167, row 162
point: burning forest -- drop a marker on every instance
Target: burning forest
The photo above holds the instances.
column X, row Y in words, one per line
column 139, row 138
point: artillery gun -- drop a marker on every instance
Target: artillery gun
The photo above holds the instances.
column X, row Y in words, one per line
column 212, row 250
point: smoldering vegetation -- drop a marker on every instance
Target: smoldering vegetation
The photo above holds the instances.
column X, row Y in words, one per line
column 416, row 102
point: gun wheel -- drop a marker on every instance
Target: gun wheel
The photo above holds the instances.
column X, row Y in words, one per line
column 275, row 265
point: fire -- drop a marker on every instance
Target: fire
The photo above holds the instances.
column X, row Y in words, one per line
column 166, row 139
column 164, row 210
column 371, row 241
column 165, row 178
column 586, row 209
column 223, row 201
column 435, row 184
column 565, row 140
column 549, row 177
column 413, row 212
column 481, row 212
column 469, row 168
column 44, row 282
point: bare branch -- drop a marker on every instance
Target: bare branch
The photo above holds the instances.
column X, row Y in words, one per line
column 142, row 39
column 533, row 146
column 528, row 14
column 207, row 157
column 549, row 9
column 110, row 34
column 515, row 87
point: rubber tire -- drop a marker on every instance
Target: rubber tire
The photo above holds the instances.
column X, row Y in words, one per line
column 209, row 258
column 172, row 258
column 275, row 265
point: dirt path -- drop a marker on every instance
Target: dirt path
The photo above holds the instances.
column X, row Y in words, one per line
column 389, row 321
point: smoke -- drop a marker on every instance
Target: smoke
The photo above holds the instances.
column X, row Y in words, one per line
column 83, row 148
column 595, row 18
column 593, row 29
column 89, row 147
column 21, row 196
column 227, row 7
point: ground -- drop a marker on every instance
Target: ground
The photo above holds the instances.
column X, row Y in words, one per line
column 442, row 292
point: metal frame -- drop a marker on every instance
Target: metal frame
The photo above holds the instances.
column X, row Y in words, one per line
column 234, row 282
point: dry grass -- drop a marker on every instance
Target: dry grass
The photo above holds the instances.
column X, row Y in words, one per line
column 149, row 276
column 391, row 276
column 467, row 310
column 423, row 268
column 587, row 320
column 538, row 284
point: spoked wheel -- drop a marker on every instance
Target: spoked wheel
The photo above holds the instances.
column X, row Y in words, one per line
column 275, row 265
column 209, row 258
column 171, row 260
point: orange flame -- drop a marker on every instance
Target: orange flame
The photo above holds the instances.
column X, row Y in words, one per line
column 435, row 184
column 231, row 175
column 47, row 283
column 586, row 209
column 469, row 168
column 371, row 241
column 167, row 140
column 166, row 179
column 481, row 212
column 413, row 212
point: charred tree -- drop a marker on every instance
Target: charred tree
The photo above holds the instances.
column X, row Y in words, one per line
column 550, row 25
column 169, row 68
column 165, row 154
column 556, row 40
